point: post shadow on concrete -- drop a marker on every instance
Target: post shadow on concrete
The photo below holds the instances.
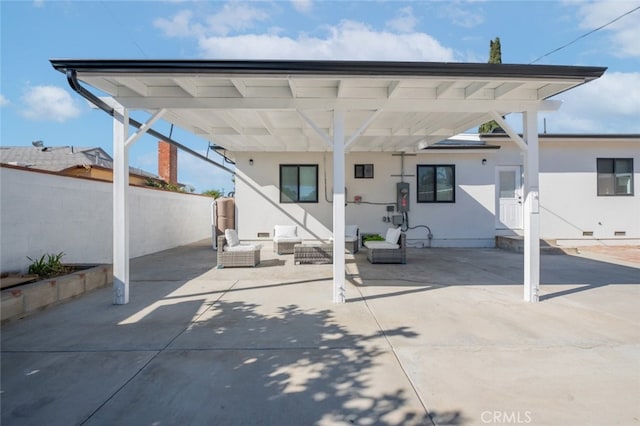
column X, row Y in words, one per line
column 198, row 358
column 228, row 364
column 228, row 369
column 431, row 269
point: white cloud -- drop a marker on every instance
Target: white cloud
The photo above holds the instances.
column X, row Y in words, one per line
column 4, row 101
column 227, row 34
column 49, row 103
column 462, row 14
column 234, row 16
column 405, row 22
column 348, row 40
column 624, row 33
column 179, row 25
column 302, row 6
column 610, row 104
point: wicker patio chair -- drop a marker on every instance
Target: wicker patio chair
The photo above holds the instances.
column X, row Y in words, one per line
column 284, row 238
column 385, row 252
column 239, row 255
column 352, row 238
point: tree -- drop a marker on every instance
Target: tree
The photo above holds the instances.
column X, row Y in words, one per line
column 495, row 52
column 495, row 57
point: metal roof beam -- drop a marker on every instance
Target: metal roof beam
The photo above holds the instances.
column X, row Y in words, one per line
column 362, row 128
column 145, row 126
column 325, row 137
column 188, row 85
column 509, row 130
column 390, row 105
column 240, row 86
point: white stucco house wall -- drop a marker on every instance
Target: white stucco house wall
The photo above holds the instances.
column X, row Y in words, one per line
column 572, row 212
column 574, row 208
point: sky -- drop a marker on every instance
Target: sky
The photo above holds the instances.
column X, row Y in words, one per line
column 36, row 102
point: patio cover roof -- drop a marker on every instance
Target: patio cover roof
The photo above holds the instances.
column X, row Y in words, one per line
column 287, row 105
column 336, row 106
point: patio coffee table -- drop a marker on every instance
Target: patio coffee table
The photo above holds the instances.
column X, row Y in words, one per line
column 313, row 253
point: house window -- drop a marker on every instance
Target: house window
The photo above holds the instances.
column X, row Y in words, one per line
column 298, row 183
column 615, row 176
column 436, row 183
column 363, row 171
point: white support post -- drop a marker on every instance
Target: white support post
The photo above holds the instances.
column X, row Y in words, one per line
column 121, row 210
column 338, row 207
column 531, row 208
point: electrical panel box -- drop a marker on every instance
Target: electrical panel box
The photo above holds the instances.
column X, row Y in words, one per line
column 397, row 219
column 402, row 193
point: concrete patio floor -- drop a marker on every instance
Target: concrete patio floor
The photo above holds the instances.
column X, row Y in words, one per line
column 443, row 340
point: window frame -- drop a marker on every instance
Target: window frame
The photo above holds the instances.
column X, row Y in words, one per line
column 435, row 184
column 286, row 200
column 600, row 188
column 363, row 171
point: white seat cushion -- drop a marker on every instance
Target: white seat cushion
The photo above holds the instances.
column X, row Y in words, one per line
column 351, row 231
column 287, row 239
column 231, row 235
column 242, row 247
column 380, row 245
column 350, row 239
column 392, row 235
column 285, row 231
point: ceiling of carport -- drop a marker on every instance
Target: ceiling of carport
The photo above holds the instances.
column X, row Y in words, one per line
column 274, row 105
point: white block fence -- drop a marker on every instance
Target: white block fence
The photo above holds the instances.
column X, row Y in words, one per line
column 45, row 213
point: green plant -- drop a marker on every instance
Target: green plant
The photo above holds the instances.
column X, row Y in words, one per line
column 215, row 193
column 375, row 237
column 154, row 183
column 48, row 265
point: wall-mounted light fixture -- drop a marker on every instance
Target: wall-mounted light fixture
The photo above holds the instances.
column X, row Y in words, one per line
column 484, row 161
column 251, row 161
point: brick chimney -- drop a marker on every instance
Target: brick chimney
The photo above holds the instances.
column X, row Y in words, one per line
column 168, row 162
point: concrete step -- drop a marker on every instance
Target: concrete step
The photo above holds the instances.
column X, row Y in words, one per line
column 516, row 243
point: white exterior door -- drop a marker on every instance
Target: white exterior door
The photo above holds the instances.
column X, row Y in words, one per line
column 509, row 197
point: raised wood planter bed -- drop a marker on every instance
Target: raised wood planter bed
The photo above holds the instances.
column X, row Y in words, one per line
column 14, row 280
column 20, row 301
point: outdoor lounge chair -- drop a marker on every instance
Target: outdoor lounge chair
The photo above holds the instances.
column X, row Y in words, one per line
column 351, row 238
column 392, row 250
column 284, row 238
column 232, row 253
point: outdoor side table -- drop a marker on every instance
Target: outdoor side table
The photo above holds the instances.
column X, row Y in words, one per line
column 312, row 253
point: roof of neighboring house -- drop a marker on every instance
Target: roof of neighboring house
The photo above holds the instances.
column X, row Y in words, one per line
column 54, row 158
column 466, row 141
column 58, row 158
column 571, row 137
column 462, row 141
